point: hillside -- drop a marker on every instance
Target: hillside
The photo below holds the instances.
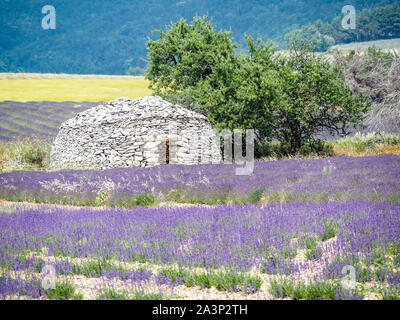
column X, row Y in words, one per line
column 382, row 22
column 109, row 37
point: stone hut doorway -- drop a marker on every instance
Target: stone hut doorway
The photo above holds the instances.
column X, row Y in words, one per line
column 167, row 156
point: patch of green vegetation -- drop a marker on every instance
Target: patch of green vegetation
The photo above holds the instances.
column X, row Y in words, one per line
column 289, row 252
column 391, row 293
column 117, row 294
column 329, row 230
column 175, row 195
column 310, row 242
column 102, row 197
column 281, row 288
column 111, row 294
column 220, row 280
column 145, row 200
column 62, row 291
column 24, row 154
column 394, row 198
column 127, row 201
column 93, row 268
column 309, row 291
column 255, row 195
column 361, row 144
column 314, row 254
column 313, row 251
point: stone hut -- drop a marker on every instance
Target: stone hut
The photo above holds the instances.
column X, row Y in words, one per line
column 144, row 132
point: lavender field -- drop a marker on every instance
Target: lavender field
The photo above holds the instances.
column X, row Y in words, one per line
column 374, row 178
column 36, row 118
column 294, row 229
column 274, row 251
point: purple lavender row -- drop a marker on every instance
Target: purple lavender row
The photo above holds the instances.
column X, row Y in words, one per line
column 18, row 129
column 49, row 114
column 237, row 237
column 36, row 125
column 344, row 178
column 23, row 115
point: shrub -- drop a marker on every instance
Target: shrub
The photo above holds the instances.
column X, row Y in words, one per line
column 102, row 197
column 24, row 154
column 63, row 290
column 145, row 200
column 255, row 195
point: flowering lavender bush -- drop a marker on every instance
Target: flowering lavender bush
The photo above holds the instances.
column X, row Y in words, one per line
column 254, row 249
column 341, row 178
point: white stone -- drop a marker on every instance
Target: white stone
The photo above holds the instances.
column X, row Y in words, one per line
column 125, row 133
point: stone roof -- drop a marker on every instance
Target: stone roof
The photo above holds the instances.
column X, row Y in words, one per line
column 151, row 107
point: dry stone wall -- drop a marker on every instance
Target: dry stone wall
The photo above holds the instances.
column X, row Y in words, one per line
column 144, row 132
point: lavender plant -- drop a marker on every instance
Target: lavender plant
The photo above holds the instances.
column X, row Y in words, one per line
column 372, row 178
column 228, row 247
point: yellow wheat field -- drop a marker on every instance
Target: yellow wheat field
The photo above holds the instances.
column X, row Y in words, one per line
column 34, row 87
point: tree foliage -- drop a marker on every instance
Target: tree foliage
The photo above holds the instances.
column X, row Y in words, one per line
column 289, row 98
column 315, row 99
column 187, row 53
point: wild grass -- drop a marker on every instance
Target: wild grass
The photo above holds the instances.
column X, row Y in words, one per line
column 96, row 268
column 72, row 89
column 326, row 290
column 63, row 291
column 24, row 154
column 391, row 293
column 366, row 145
column 223, row 281
column 118, row 294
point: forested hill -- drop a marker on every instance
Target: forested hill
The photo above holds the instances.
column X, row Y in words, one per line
column 372, row 24
column 108, row 37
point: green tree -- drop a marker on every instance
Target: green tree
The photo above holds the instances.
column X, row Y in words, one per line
column 195, row 65
column 289, row 98
column 315, row 98
column 312, row 35
column 186, row 53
